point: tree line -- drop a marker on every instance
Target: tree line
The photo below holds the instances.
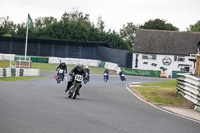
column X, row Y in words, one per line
column 76, row 26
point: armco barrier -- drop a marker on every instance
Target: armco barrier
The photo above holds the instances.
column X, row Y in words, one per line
column 8, row 72
column 189, row 87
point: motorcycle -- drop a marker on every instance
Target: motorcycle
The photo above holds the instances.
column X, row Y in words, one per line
column 60, row 76
column 105, row 77
column 74, row 88
column 86, row 79
column 122, row 77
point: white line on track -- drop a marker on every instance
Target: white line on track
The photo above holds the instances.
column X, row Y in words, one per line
column 160, row 108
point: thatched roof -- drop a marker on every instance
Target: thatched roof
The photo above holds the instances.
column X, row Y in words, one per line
column 166, row 42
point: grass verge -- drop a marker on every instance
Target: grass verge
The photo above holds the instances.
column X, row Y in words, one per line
column 19, row 78
column 46, row 67
column 4, row 63
column 161, row 93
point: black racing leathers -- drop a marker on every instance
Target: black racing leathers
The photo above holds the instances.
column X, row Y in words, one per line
column 63, row 67
column 72, row 73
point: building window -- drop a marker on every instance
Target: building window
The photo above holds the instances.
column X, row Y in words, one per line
column 149, row 56
column 179, row 58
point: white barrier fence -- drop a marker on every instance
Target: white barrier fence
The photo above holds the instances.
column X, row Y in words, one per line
column 112, row 66
column 189, row 87
column 7, row 57
column 74, row 61
column 8, row 72
column 86, row 62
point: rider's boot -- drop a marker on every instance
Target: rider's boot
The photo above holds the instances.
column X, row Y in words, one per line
column 67, row 88
column 78, row 92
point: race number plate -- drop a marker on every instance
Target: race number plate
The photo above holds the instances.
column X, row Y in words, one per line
column 78, row 78
column 61, row 71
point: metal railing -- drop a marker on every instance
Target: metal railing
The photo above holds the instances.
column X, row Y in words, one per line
column 189, row 87
column 20, row 61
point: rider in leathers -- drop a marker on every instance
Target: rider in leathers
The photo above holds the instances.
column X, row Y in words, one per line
column 62, row 66
column 76, row 70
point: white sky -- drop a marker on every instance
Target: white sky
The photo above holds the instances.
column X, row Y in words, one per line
column 115, row 13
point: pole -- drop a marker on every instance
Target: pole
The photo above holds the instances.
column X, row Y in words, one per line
column 26, row 41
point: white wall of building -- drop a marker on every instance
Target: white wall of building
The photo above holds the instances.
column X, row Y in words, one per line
column 159, row 61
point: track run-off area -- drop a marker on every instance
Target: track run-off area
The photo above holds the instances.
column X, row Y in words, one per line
column 42, row 106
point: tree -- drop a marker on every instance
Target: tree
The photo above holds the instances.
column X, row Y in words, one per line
column 128, row 33
column 75, row 15
column 195, row 27
column 21, row 30
column 7, row 27
column 100, row 24
column 73, row 26
column 158, row 24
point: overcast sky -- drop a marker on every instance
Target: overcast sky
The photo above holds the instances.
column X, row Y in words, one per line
column 115, row 13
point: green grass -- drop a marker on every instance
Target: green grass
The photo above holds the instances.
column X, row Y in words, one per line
column 166, row 94
column 19, row 78
column 169, row 83
column 45, row 67
column 4, row 64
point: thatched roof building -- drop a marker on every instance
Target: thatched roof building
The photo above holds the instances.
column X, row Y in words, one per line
column 166, row 42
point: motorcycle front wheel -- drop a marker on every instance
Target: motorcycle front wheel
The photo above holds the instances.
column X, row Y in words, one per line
column 70, row 91
column 75, row 91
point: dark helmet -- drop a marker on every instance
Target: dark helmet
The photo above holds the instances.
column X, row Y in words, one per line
column 80, row 66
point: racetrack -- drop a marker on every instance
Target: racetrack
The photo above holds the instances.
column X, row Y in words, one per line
column 42, row 106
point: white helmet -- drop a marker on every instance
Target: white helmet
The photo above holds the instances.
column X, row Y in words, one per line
column 86, row 67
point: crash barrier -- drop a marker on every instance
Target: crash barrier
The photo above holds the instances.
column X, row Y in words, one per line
column 9, row 72
column 111, row 66
column 138, row 72
column 86, row 62
column 189, row 87
column 7, row 57
column 74, row 61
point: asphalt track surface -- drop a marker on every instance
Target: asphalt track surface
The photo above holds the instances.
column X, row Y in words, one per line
column 42, row 106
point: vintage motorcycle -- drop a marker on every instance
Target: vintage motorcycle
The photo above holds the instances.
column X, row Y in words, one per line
column 106, row 77
column 122, row 77
column 85, row 80
column 74, row 88
column 60, row 75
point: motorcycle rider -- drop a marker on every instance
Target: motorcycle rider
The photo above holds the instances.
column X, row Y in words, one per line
column 62, row 66
column 106, row 75
column 87, row 70
column 122, row 76
column 76, row 70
